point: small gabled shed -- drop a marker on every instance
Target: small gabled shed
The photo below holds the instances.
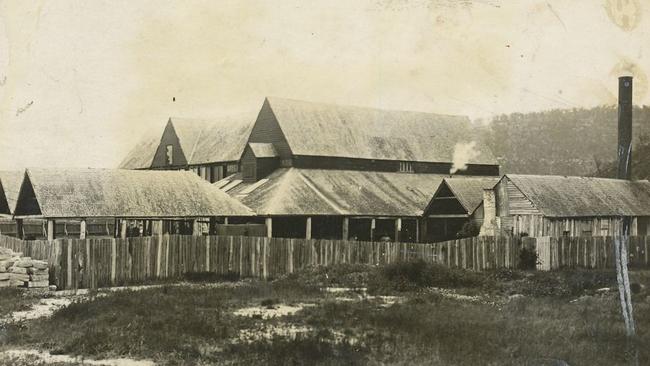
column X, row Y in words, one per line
column 456, row 204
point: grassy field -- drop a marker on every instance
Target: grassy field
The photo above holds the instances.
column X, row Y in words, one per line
column 410, row 314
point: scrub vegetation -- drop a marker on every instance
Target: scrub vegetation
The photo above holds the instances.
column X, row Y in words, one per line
column 402, row 314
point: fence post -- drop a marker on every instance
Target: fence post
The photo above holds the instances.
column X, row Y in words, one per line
column 69, row 262
column 207, row 253
column 113, row 261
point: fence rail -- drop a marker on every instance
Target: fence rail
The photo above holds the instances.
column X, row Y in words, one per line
column 589, row 252
column 95, row 262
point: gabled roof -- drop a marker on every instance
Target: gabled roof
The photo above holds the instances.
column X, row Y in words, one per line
column 215, row 140
column 292, row 191
column 11, row 181
column 468, row 191
column 202, row 141
column 142, row 154
column 263, row 150
column 87, row 193
column 4, row 205
column 317, row 129
column 562, row 196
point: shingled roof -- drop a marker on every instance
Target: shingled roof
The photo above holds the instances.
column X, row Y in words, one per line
column 202, row 141
column 561, row 196
column 87, row 193
column 11, row 181
column 317, row 129
column 293, row 191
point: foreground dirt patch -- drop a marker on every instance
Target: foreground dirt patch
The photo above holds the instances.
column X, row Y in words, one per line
column 33, row 356
column 268, row 312
column 44, row 308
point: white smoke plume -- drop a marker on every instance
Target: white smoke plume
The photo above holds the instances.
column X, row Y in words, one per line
column 463, row 153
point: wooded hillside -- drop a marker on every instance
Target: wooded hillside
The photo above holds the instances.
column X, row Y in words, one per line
column 567, row 142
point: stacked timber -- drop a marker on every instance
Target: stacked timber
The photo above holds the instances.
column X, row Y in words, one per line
column 18, row 271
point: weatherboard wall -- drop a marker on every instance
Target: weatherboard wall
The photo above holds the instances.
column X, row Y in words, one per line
column 267, row 130
column 169, row 137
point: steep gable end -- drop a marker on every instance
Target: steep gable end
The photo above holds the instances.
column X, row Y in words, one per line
column 169, row 139
column 268, row 130
column 27, row 204
column 4, row 205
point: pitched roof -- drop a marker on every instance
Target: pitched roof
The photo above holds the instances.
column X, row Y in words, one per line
column 202, row 141
column 355, row 132
column 215, row 140
column 561, row 196
column 142, row 154
column 11, row 181
column 468, row 191
column 292, row 191
column 122, row 193
column 263, row 150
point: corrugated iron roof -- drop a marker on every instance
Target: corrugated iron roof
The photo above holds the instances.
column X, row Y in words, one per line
column 11, row 181
column 126, row 193
column 317, row 129
column 469, row 191
column 263, row 150
column 561, row 196
column 292, row 191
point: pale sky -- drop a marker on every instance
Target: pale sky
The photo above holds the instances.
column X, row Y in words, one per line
column 80, row 82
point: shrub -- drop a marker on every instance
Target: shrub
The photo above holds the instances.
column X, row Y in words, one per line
column 469, row 229
column 408, row 276
column 527, row 258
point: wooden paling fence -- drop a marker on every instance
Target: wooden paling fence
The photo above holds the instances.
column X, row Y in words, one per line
column 589, row 252
column 96, row 262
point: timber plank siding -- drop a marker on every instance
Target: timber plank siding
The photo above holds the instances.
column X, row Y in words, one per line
column 267, row 130
column 169, row 137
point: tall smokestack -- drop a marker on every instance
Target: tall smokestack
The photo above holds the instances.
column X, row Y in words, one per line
column 624, row 127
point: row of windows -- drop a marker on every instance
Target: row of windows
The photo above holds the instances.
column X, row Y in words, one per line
column 405, row 167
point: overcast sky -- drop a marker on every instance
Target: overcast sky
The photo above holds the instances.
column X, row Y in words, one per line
column 80, row 82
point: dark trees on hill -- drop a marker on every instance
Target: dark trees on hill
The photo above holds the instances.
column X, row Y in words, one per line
column 567, row 142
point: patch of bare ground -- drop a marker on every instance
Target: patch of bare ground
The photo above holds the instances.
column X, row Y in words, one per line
column 35, row 357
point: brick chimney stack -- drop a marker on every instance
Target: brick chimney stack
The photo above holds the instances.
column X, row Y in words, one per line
column 624, row 128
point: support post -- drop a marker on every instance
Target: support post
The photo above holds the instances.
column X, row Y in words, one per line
column 225, row 221
column 269, row 227
column 345, row 235
column 196, row 228
column 308, row 228
column 123, row 228
column 398, row 229
column 213, row 225
column 82, row 229
column 157, row 227
column 372, row 229
column 19, row 229
column 51, row 225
